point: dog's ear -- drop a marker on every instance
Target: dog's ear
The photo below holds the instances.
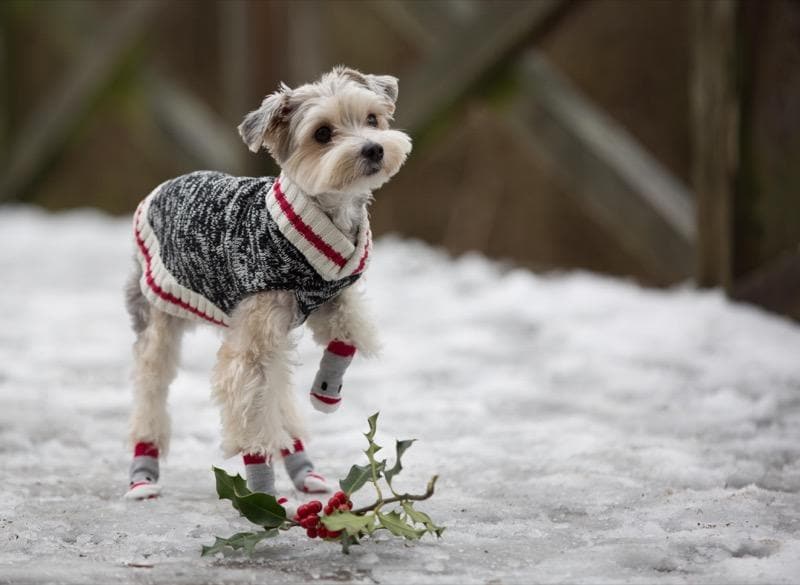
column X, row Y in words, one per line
column 383, row 85
column 261, row 127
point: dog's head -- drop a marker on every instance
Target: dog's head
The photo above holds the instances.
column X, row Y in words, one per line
column 331, row 136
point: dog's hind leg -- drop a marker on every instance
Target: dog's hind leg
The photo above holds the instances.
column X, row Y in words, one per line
column 156, row 354
column 251, row 383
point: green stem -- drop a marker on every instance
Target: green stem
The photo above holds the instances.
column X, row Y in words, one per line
column 400, row 498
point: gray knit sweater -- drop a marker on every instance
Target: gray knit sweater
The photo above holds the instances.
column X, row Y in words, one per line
column 207, row 240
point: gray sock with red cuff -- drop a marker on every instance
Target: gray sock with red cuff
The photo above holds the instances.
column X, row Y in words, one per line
column 301, row 470
column 259, row 473
column 327, row 386
column 144, row 467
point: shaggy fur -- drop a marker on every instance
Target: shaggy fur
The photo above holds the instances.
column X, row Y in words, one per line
column 252, row 379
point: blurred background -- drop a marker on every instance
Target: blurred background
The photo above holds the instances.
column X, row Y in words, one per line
column 652, row 139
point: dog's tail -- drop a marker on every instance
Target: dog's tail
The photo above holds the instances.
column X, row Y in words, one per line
column 137, row 305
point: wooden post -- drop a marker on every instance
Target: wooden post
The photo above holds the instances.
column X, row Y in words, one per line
column 609, row 174
column 306, row 41
column 715, row 134
column 48, row 129
column 5, row 82
column 234, row 56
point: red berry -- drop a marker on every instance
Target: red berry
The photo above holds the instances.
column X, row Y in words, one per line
column 311, row 532
column 328, row 510
column 315, row 506
column 349, row 505
column 322, row 532
column 309, row 522
column 336, row 534
column 302, row 511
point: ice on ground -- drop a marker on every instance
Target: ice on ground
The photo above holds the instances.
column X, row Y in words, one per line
column 585, row 429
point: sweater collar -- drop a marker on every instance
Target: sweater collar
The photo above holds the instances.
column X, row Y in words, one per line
column 312, row 232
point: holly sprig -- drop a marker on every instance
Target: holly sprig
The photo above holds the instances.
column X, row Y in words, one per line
column 339, row 522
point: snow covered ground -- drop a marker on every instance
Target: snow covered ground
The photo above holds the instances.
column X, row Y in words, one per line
column 585, row 429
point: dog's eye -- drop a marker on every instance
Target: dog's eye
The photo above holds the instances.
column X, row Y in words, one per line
column 372, row 120
column 323, row 134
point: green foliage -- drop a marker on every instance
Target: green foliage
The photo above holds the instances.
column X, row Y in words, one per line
column 345, row 527
column 399, row 526
column 245, row 540
column 352, row 524
column 356, row 478
column 400, row 447
column 261, row 509
column 422, row 518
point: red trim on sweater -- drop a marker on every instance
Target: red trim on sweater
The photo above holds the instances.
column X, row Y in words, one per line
column 363, row 260
column 305, row 229
column 145, row 450
column 341, row 348
column 157, row 289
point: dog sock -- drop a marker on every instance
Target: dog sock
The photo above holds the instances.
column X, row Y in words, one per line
column 261, row 478
column 259, row 473
column 327, row 387
column 143, row 472
column 301, row 470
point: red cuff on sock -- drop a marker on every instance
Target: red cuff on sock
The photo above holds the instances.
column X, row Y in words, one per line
column 254, row 458
column 341, row 348
column 145, row 450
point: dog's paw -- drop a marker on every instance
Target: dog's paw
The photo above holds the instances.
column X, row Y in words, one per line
column 324, row 403
column 314, row 483
column 143, row 490
column 290, row 505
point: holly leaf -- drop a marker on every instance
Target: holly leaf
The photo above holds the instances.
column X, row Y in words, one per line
column 373, row 427
column 357, row 477
column 230, row 487
column 351, row 523
column 262, row 509
column 371, row 450
column 395, row 524
column 400, row 447
column 245, row 540
column 422, row 518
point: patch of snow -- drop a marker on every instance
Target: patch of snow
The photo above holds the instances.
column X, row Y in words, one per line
column 585, row 429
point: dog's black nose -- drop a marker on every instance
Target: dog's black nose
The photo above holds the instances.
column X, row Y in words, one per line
column 372, row 151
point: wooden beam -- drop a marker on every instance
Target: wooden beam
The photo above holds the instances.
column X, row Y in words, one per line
column 193, row 126
column 611, row 175
column 715, row 136
column 5, row 81
column 499, row 29
column 49, row 128
column 234, row 56
column 306, row 39
column 402, row 19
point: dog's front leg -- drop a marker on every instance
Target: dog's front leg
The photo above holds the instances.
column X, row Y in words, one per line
column 251, row 383
column 342, row 326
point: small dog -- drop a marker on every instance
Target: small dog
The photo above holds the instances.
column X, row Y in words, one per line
column 257, row 257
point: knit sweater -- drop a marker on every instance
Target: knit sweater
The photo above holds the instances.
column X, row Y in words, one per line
column 207, row 240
